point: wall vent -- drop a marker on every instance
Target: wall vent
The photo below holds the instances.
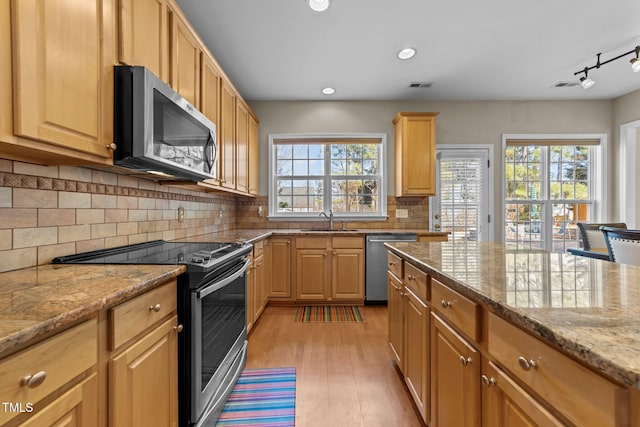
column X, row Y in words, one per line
column 566, row 84
column 420, row 84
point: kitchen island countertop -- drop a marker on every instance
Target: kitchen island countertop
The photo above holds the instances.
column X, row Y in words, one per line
column 587, row 307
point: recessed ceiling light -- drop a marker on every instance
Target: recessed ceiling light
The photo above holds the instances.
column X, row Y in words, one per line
column 319, row 5
column 407, row 53
column 328, row 91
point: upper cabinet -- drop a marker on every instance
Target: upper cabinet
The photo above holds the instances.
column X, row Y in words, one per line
column 58, row 65
column 415, row 149
column 242, row 146
column 227, row 141
column 254, row 155
column 184, row 57
column 144, row 35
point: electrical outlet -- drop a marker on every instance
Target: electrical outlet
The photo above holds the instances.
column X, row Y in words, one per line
column 260, row 213
column 220, row 213
column 402, row 213
column 180, row 214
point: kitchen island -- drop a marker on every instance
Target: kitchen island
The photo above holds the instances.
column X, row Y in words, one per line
column 585, row 313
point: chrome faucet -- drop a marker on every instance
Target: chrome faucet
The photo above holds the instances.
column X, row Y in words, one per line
column 329, row 217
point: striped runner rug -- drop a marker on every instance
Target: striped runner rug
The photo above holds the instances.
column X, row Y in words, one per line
column 262, row 397
column 328, row 313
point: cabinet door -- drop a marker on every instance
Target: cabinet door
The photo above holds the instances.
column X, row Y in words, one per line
column 242, row 146
column 259, row 287
column 395, row 307
column 254, row 154
column 143, row 381
column 60, row 85
column 281, row 268
column 506, row 404
column 416, row 367
column 268, row 269
column 455, row 376
column 144, row 37
column 227, row 135
column 76, row 407
column 312, row 275
column 347, row 267
column 210, row 101
column 185, row 59
column 415, row 139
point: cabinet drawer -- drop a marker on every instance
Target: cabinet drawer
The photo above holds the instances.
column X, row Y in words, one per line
column 581, row 395
column 417, row 281
column 132, row 317
column 58, row 359
column 347, row 243
column 258, row 249
column 312, row 243
column 395, row 264
column 459, row 310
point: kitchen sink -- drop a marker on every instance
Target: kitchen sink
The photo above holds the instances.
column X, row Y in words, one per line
column 331, row 230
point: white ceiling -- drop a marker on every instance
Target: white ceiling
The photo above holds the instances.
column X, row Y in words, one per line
column 468, row 49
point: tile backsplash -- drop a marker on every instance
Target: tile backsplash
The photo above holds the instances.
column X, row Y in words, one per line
column 46, row 211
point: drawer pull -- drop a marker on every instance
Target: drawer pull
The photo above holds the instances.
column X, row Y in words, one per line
column 392, row 263
column 527, row 364
column 178, row 328
column 466, row 361
column 155, row 308
column 445, row 304
column 33, row 381
column 410, row 277
column 487, row 382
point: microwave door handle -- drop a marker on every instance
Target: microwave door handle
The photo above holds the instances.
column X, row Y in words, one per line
column 210, row 160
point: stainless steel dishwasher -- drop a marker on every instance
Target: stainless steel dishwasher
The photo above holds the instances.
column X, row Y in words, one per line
column 376, row 264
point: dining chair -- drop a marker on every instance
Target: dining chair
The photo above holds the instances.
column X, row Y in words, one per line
column 592, row 236
column 623, row 245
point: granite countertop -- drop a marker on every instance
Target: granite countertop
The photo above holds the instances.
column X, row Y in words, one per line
column 253, row 235
column 38, row 300
column 587, row 307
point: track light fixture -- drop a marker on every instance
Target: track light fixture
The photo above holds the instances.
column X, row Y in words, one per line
column 586, row 82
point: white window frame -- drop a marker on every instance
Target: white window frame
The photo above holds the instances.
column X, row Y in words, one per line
column 599, row 171
column 340, row 216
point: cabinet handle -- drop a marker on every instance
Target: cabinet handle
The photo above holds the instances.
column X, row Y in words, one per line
column 445, row 304
column 178, row 328
column 112, row 147
column 155, row 308
column 392, row 263
column 403, row 294
column 527, row 364
column 466, row 361
column 33, row 381
column 410, row 277
column 487, row 382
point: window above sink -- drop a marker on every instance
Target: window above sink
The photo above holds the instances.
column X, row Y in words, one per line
column 311, row 174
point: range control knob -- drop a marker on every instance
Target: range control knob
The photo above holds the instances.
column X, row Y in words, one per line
column 197, row 260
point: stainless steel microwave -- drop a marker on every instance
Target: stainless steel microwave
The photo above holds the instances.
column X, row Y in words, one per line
column 158, row 131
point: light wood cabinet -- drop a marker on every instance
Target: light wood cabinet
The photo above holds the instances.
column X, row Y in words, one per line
column 144, row 35
column 184, row 60
column 256, row 286
column 455, row 376
column 268, row 270
column 143, row 380
column 506, row 404
column 395, row 308
column 143, row 336
column 227, row 141
column 280, row 269
column 254, row 155
column 416, row 366
column 58, row 65
column 41, row 371
column 415, row 151
column 330, row 269
column 242, row 146
column 210, row 102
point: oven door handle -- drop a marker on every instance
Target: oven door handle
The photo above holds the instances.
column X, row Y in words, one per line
column 210, row 289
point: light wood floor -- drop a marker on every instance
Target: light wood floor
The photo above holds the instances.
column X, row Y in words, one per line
column 344, row 371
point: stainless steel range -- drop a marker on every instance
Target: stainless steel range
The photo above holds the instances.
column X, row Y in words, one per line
column 212, row 308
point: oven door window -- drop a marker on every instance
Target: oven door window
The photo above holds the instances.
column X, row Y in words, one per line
column 223, row 320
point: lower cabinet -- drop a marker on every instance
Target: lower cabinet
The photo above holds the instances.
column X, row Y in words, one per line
column 455, row 376
column 143, row 380
column 416, row 365
column 256, row 284
column 506, row 404
column 395, row 309
column 330, row 269
column 280, row 280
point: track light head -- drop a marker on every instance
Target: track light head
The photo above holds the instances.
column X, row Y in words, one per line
column 586, row 82
column 635, row 62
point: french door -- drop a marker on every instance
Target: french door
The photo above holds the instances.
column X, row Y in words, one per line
column 461, row 205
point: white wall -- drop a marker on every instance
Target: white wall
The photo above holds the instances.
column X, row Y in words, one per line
column 459, row 122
